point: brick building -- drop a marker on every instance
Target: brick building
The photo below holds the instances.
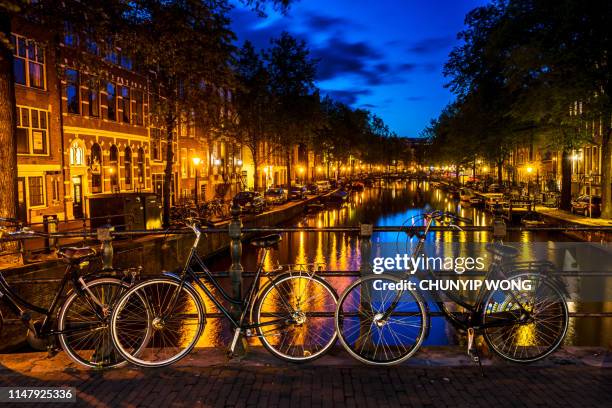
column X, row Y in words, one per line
column 82, row 134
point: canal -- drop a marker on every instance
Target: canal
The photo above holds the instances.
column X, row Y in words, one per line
column 391, row 204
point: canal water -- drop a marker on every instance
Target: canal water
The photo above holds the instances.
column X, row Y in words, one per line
column 391, row 204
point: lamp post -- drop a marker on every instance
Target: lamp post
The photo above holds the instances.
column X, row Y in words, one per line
column 529, row 171
column 196, row 162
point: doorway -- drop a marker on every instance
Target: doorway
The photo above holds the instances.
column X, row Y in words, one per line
column 77, row 197
column 22, row 209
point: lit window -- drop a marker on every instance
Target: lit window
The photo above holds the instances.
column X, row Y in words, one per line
column 77, row 156
column 36, row 191
column 32, row 131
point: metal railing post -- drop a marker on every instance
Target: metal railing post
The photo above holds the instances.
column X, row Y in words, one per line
column 106, row 238
column 236, row 269
column 365, row 243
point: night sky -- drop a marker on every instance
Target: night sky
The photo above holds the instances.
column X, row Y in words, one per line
column 386, row 56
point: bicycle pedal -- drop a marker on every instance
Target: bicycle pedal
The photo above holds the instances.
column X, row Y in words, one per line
column 52, row 352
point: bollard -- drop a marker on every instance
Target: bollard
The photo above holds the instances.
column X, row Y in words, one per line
column 235, row 270
column 105, row 237
column 499, row 225
column 50, row 224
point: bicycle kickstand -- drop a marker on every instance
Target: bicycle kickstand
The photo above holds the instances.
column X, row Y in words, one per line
column 472, row 350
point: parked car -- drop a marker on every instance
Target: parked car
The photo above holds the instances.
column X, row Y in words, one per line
column 324, row 186
column 275, row 196
column 312, row 188
column 250, row 201
column 297, row 192
column 581, row 205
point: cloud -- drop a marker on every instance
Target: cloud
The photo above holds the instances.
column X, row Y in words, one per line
column 346, row 96
column 319, row 22
column 432, row 45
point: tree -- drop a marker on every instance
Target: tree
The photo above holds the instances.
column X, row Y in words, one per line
column 8, row 152
column 252, row 106
column 561, row 66
column 187, row 45
column 292, row 73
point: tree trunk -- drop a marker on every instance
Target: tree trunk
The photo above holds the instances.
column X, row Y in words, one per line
column 288, row 163
column 566, row 180
column 8, row 152
column 255, row 169
column 500, row 179
column 606, row 175
column 167, row 189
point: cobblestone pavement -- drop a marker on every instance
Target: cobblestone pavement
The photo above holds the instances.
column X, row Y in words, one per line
column 207, row 380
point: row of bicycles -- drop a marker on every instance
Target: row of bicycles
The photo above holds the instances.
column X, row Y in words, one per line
column 296, row 314
column 214, row 209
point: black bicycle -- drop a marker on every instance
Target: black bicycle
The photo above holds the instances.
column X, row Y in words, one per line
column 292, row 314
column 381, row 321
column 81, row 321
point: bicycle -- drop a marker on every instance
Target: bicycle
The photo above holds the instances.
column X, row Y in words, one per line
column 82, row 319
column 384, row 327
column 292, row 314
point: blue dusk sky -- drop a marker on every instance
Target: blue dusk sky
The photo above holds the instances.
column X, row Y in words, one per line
column 385, row 56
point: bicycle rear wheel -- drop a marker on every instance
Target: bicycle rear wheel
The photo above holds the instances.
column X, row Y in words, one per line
column 524, row 340
column 370, row 330
column 169, row 326
column 84, row 325
column 296, row 317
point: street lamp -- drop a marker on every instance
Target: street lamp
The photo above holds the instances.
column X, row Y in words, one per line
column 196, row 162
column 529, row 171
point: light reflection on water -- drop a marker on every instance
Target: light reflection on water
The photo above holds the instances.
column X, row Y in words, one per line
column 391, row 204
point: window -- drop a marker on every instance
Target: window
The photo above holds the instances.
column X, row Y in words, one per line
column 125, row 103
column 139, row 106
column 93, row 97
column 36, row 191
column 127, row 165
column 72, row 90
column 55, row 189
column 155, row 144
column 95, row 166
column 114, row 169
column 126, row 62
column 29, row 62
column 77, row 156
column 32, row 131
column 141, row 168
column 111, row 101
column 70, row 38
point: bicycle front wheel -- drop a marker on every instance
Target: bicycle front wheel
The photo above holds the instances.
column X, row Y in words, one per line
column 379, row 322
column 525, row 325
column 83, row 324
column 295, row 317
column 169, row 325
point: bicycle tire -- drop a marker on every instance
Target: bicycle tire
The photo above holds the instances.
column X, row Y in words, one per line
column 369, row 338
column 522, row 336
column 175, row 335
column 78, row 346
column 321, row 296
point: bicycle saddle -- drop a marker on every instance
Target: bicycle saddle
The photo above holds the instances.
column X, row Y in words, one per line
column 75, row 255
column 504, row 251
column 266, row 241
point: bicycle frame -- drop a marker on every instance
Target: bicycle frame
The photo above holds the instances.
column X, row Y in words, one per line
column 475, row 309
column 189, row 274
column 21, row 306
